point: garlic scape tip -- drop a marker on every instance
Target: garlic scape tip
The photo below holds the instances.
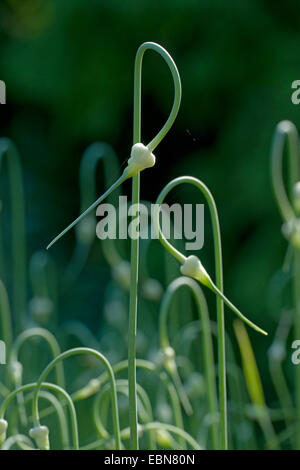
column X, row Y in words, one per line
column 140, row 159
column 193, row 267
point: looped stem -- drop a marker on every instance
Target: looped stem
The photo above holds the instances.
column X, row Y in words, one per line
column 104, row 361
column 285, row 131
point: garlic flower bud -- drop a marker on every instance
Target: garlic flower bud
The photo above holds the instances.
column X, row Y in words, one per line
column 193, row 267
column 140, row 159
column 41, row 436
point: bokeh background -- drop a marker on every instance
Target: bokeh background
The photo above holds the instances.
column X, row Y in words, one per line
column 68, row 67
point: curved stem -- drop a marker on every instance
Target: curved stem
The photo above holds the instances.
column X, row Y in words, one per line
column 122, row 387
column 219, row 283
column 58, row 407
column 135, row 200
column 147, row 366
column 285, row 130
column 17, row 439
column 166, row 427
column 50, row 340
column 55, row 388
column 206, row 341
column 104, row 361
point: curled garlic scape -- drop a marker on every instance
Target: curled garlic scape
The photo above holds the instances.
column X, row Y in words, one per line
column 193, row 267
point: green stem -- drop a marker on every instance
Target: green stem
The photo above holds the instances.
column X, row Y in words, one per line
column 286, row 130
column 135, row 200
column 104, row 361
column 50, row 340
column 85, row 233
column 219, row 283
column 206, row 341
column 18, row 439
column 122, row 387
column 55, row 388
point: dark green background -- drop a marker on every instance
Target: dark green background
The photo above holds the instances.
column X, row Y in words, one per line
column 68, row 67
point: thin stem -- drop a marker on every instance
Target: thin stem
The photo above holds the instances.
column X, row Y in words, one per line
column 104, row 361
column 17, row 439
column 206, row 341
column 122, row 387
column 285, row 130
column 219, row 283
column 50, row 340
column 135, row 200
column 55, row 388
column 85, row 233
column 87, row 211
column 253, row 382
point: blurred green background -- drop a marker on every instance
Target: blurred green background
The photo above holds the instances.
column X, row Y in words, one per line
column 68, row 67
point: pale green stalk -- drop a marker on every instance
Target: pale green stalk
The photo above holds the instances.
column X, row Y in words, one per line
column 50, row 340
column 217, row 289
column 144, row 408
column 254, row 383
column 58, row 407
column 206, row 341
column 17, row 439
column 135, row 200
column 55, row 388
column 104, row 361
column 85, row 233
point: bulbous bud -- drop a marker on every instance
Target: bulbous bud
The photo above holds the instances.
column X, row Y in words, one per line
column 121, row 274
column 40, row 434
column 3, row 429
column 140, row 159
column 193, row 267
column 169, row 359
